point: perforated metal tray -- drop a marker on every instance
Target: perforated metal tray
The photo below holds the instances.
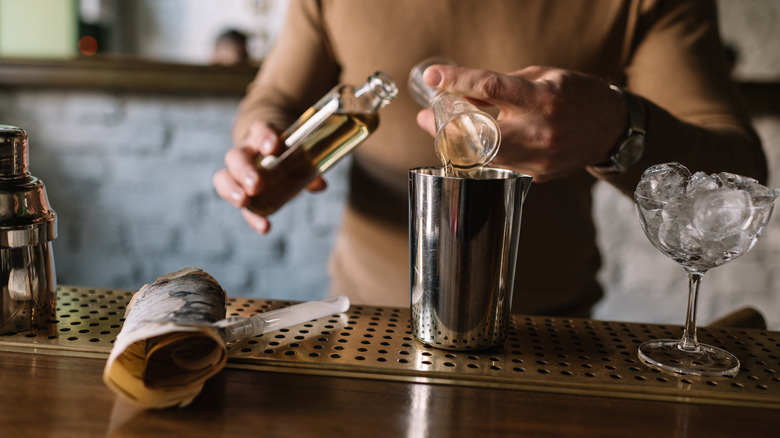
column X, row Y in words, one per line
column 574, row 356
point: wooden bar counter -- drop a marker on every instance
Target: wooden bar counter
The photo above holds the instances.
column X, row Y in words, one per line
column 361, row 374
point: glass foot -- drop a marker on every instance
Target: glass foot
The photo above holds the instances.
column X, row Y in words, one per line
column 705, row 360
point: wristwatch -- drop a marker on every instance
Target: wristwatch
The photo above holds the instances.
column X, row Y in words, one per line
column 629, row 147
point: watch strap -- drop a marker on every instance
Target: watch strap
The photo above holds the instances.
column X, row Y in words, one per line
column 636, row 128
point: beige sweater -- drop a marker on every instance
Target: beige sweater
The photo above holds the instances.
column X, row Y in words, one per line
column 667, row 52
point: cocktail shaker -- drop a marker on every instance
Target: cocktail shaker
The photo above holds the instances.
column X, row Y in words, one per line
column 27, row 226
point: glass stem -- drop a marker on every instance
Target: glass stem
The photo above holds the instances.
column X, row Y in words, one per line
column 689, row 342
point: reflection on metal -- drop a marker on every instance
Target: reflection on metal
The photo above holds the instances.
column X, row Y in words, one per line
column 570, row 356
column 420, row 400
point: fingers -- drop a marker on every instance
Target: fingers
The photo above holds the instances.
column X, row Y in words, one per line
column 262, row 138
column 240, row 160
column 241, row 169
column 258, row 223
column 317, row 185
column 426, row 121
column 228, row 189
column 481, row 85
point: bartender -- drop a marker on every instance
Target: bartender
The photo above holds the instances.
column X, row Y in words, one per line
column 585, row 91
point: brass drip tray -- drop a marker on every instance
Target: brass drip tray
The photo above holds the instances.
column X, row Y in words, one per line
column 573, row 356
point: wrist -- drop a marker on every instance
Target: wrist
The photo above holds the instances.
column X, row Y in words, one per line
column 630, row 146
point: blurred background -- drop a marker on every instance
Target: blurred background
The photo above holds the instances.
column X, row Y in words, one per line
column 128, row 105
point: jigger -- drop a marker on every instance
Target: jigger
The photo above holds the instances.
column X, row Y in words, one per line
column 466, row 137
column 27, row 226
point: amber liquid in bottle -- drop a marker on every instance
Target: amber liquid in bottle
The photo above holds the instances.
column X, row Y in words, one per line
column 287, row 175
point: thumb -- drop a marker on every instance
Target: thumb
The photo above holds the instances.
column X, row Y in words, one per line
column 478, row 85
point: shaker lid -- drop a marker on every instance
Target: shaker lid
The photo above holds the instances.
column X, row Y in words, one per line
column 26, row 218
column 13, row 153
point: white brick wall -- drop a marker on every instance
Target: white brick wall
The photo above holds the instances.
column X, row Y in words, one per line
column 130, row 179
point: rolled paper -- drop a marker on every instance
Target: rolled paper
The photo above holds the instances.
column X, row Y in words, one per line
column 168, row 346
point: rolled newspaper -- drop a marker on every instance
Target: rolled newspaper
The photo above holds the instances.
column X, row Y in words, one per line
column 174, row 336
column 168, row 346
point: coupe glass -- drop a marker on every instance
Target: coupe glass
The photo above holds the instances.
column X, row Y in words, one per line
column 701, row 222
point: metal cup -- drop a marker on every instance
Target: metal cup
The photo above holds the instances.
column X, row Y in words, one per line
column 28, row 285
column 463, row 241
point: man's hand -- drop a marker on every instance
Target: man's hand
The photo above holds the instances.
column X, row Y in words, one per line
column 553, row 122
column 240, row 180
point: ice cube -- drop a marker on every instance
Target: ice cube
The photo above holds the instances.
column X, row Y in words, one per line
column 723, row 212
column 677, row 232
column 737, row 182
column 726, row 248
column 700, row 183
column 759, row 193
column 662, row 183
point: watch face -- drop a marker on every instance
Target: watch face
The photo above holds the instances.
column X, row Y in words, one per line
column 630, row 151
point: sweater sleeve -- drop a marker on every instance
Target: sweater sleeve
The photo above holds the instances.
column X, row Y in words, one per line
column 299, row 69
column 693, row 111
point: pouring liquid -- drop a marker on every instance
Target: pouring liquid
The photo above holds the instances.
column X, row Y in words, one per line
column 459, row 149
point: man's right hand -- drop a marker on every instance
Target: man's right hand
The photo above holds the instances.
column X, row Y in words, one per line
column 240, row 180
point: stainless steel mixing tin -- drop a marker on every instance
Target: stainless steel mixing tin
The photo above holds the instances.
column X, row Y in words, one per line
column 463, row 239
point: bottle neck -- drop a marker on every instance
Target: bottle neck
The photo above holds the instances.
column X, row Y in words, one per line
column 377, row 91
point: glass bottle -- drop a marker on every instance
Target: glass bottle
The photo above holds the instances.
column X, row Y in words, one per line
column 328, row 131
